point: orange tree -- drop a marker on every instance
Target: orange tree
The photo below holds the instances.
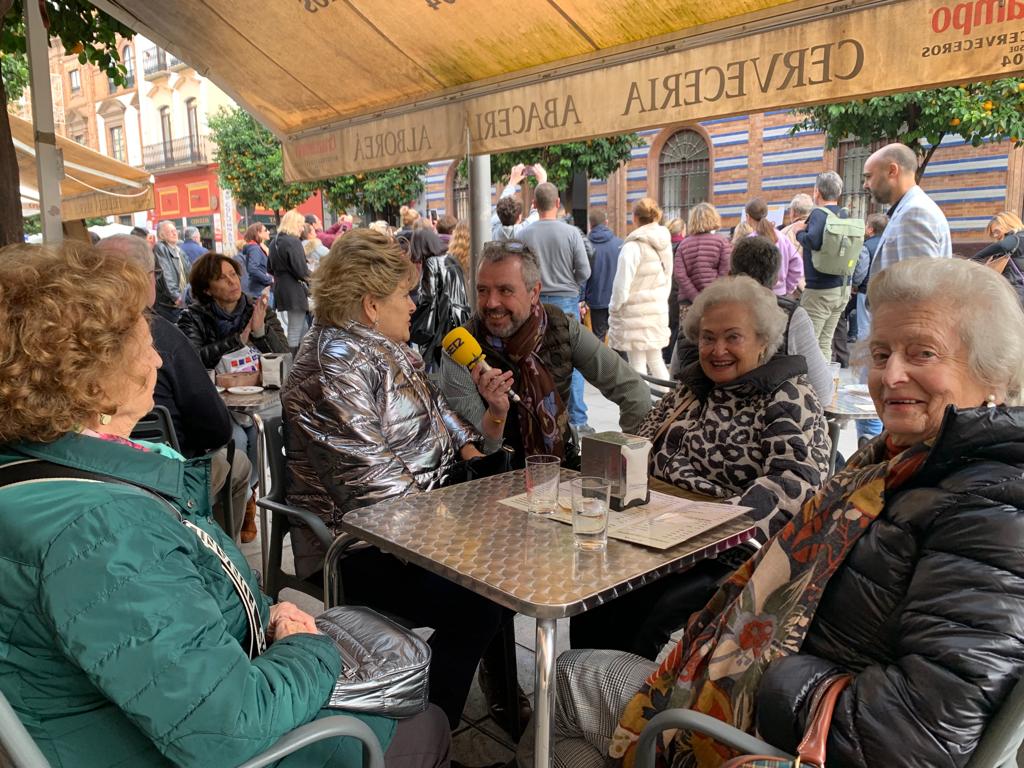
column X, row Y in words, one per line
column 978, row 112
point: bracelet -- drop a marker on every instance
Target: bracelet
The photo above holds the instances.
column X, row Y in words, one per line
column 495, row 419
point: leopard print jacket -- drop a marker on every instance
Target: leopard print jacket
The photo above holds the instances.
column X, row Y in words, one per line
column 759, row 441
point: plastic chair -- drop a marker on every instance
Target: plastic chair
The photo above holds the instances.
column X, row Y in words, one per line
column 659, row 387
column 283, row 517
column 18, row 750
column 997, row 749
column 157, row 427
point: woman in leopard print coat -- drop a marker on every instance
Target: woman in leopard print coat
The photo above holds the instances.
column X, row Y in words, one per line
column 744, row 426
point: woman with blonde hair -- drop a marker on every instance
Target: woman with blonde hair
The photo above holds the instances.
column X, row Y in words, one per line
column 364, row 424
column 791, row 268
column 287, row 263
column 460, row 244
column 1007, row 230
column 703, row 255
column 638, row 311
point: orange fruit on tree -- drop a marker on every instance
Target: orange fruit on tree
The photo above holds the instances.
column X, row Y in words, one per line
column 955, row 122
column 988, row 105
column 1020, row 86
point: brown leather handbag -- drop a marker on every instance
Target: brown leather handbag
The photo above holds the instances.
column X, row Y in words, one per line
column 811, row 750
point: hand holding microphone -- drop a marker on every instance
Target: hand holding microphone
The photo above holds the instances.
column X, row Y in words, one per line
column 461, row 347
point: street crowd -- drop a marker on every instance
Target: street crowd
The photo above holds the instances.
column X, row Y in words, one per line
column 135, row 632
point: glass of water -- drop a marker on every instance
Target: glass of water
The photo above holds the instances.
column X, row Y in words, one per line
column 590, row 513
column 542, row 483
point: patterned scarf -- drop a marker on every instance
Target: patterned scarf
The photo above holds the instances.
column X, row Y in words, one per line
column 762, row 612
column 542, row 414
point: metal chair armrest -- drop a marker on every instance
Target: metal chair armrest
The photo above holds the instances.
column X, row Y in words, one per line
column 304, row 516
column 333, row 592
column 329, row 727
column 697, row 721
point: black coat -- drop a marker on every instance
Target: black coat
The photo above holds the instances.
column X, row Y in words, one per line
column 927, row 610
column 198, row 323
column 201, row 420
column 441, row 305
column 287, row 263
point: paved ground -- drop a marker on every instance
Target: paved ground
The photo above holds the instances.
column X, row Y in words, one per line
column 479, row 740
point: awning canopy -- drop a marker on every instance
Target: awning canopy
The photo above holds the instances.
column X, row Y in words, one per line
column 93, row 184
column 359, row 84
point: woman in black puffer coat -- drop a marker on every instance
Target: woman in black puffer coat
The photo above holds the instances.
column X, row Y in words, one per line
column 905, row 571
column 287, row 263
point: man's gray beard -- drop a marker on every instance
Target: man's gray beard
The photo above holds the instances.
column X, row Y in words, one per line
column 505, row 334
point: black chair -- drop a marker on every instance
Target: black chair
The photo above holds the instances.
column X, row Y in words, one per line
column 659, row 387
column 283, row 517
column 157, row 427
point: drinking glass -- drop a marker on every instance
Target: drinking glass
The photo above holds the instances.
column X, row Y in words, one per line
column 590, row 512
column 835, row 371
column 542, row 483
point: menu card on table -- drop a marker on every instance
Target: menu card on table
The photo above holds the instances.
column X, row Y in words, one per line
column 661, row 523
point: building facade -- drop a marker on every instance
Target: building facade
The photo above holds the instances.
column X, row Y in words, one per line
column 731, row 160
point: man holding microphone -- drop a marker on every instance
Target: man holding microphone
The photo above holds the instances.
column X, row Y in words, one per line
column 531, row 348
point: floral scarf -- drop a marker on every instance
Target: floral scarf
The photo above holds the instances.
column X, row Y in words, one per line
column 762, row 612
column 542, row 414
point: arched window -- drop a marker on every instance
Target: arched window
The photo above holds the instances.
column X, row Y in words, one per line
column 850, row 159
column 460, row 196
column 683, row 173
column 129, row 66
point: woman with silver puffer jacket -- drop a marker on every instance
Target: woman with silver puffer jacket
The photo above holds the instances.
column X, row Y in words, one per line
column 364, row 424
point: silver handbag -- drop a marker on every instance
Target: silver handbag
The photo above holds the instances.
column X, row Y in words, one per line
column 384, row 665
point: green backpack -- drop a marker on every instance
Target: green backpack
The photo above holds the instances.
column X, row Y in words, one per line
column 841, row 242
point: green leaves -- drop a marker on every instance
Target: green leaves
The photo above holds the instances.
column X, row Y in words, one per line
column 977, row 112
column 250, row 162
column 598, row 158
column 376, row 190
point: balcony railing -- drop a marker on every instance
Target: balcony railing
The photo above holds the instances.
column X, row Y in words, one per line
column 178, row 153
column 157, row 61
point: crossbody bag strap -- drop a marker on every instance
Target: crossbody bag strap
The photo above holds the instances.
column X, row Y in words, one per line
column 811, row 749
column 37, row 470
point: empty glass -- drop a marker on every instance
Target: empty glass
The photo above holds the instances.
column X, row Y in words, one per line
column 542, row 483
column 590, row 512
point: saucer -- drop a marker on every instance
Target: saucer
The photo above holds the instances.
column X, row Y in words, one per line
column 245, row 390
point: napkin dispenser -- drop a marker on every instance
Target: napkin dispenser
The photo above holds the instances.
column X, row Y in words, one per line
column 274, row 371
column 621, row 460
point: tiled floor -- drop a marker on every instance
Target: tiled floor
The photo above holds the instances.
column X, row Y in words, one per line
column 479, row 740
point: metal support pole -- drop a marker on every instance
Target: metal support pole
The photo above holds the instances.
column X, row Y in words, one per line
column 479, row 214
column 544, row 689
column 49, row 162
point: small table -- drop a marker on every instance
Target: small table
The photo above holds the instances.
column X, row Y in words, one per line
column 252, row 406
column 524, row 562
column 851, row 404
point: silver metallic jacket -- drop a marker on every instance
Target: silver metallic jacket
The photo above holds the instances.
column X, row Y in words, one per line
column 362, row 424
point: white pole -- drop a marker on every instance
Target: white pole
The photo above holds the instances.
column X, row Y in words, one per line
column 49, row 161
column 479, row 215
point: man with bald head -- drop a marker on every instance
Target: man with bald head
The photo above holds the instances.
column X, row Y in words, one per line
column 917, row 226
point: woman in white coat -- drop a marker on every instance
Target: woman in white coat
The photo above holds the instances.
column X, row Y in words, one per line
column 638, row 313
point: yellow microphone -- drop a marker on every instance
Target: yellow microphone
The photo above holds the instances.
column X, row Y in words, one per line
column 461, row 347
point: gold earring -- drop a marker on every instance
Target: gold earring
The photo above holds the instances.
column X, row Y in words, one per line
column 105, row 418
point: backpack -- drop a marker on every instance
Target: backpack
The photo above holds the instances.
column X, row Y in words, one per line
column 841, row 242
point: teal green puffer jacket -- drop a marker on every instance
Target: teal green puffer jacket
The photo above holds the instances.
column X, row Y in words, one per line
column 121, row 636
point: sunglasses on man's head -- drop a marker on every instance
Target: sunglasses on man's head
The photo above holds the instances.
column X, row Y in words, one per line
column 512, row 246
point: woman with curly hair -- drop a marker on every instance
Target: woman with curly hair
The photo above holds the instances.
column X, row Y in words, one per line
column 134, row 630
column 459, row 246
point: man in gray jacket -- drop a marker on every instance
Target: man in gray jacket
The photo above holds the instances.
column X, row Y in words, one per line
column 564, row 268
column 172, row 272
column 532, row 348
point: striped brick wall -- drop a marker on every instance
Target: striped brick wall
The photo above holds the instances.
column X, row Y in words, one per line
column 756, row 155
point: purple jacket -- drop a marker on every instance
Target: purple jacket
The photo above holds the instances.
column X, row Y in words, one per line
column 700, row 260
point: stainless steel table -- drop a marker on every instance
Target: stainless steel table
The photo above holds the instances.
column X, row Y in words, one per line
column 524, row 562
column 852, row 404
column 252, row 406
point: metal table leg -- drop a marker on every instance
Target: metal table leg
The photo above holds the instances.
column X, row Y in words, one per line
column 834, row 427
column 261, row 484
column 544, row 689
